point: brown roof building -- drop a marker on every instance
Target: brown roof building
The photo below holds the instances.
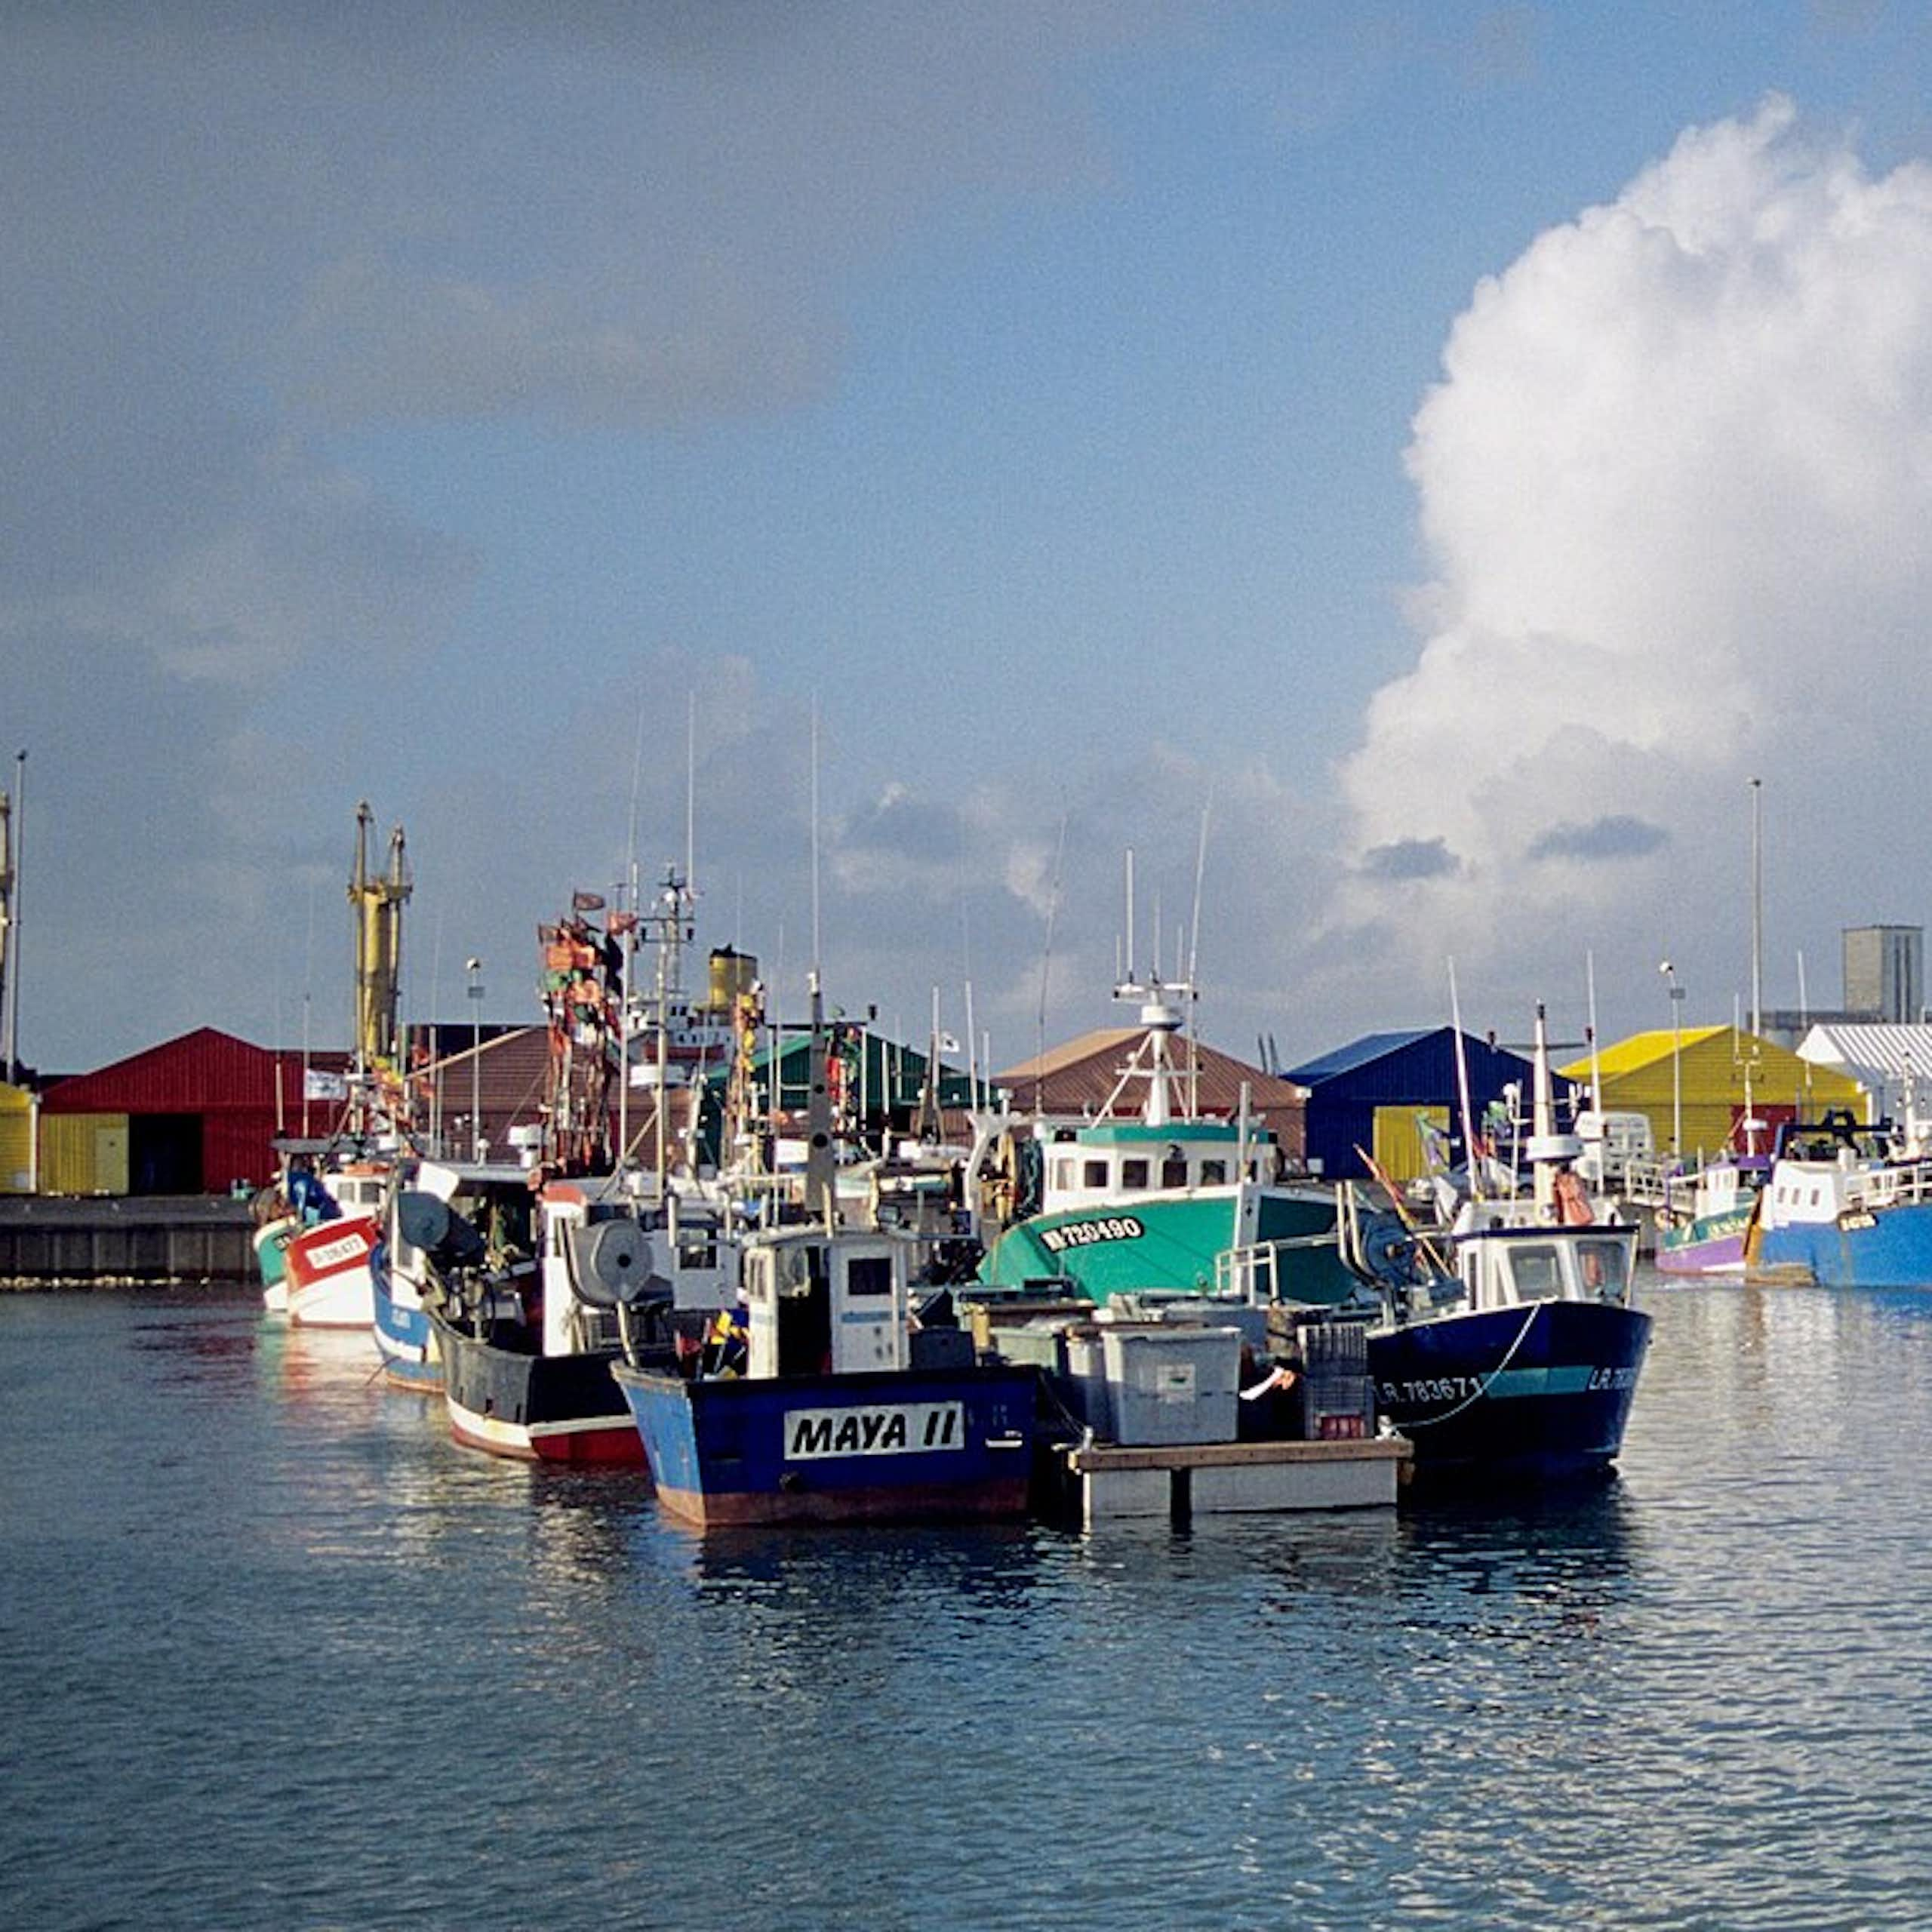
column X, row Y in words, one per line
column 1083, row 1075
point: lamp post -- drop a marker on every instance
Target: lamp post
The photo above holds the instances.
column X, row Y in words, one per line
column 474, row 967
column 1669, row 973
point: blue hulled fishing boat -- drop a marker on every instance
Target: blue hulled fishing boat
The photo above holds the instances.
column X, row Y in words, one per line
column 842, row 1410
column 1508, row 1349
column 493, row 1197
column 829, row 1399
column 1847, row 1206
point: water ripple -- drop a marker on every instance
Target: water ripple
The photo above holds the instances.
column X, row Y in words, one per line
column 280, row 1654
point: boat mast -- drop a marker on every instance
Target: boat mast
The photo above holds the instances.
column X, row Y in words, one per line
column 1469, row 1154
column 1757, row 906
column 1193, row 959
column 819, row 1193
column 11, row 820
column 1596, row 1050
column 1160, row 1016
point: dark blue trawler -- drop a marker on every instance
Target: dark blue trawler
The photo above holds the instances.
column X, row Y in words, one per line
column 1522, row 1365
column 1507, row 1349
column 843, row 1410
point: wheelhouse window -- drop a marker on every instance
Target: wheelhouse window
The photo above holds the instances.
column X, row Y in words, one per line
column 1213, row 1173
column 1064, row 1174
column 1093, row 1173
column 1133, row 1174
column 1173, row 1171
column 1534, row 1272
column 869, row 1275
column 1602, row 1265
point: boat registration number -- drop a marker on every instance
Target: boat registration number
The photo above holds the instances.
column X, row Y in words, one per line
column 337, row 1253
column 880, row 1428
column 1083, row 1234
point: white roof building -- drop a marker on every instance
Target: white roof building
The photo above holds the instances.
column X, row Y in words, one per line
column 1892, row 1062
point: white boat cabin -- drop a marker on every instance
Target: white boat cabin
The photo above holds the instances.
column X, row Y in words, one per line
column 1503, row 1261
column 1113, row 1162
column 360, row 1189
column 601, row 1248
column 828, row 1304
column 1824, row 1192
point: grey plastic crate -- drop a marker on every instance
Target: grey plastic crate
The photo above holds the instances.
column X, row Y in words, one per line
column 1084, row 1380
column 1172, row 1384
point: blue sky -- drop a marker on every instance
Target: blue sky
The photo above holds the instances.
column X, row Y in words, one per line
column 1452, row 447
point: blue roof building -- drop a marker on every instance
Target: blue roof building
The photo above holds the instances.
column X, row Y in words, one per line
column 1414, row 1069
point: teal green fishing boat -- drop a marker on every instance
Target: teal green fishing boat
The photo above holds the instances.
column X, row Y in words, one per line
column 1160, row 1197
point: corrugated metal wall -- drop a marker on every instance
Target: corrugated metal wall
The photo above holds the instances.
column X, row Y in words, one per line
column 1704, row 1089
column 195, row 1113
column 84, row 1153
column 184, row 1075
column 1398, row 1149
column 16, row 1135
column 1342, row 1109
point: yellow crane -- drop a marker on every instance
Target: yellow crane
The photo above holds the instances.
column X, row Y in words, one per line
column 378, row 900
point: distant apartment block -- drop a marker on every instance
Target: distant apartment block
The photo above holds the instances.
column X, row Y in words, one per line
column 1884, row 972
column 1884, row 984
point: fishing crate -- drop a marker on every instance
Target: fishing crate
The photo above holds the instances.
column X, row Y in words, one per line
column 1169, row 1383
column 1338, row 1394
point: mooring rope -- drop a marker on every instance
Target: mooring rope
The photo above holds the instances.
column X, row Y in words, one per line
column 1522, row 1335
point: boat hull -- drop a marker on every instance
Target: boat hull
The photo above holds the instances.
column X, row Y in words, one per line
column 914, row 1445
column 328, row 1282
column 406, row 1339
column 1133, row 1246
column 1539, row 1394
column 1889, row 1248
column 508, row 1400
column 270, row 1242
column 1711, row 1244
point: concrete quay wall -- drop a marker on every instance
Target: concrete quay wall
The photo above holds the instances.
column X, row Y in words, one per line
column 45, row 1241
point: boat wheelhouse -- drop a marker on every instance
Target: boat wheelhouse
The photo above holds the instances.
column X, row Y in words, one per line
column 1154, row 1197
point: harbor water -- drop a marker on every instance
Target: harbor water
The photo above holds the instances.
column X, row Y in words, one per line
column 278, row 1654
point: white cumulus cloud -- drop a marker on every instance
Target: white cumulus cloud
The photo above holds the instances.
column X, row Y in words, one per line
column 1675, row 487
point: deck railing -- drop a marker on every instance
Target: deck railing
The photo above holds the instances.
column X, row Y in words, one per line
column 1870, row 1189
column 1254, row 1273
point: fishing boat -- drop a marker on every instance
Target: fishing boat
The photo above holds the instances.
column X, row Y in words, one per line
column 493, row 1197
column 274, row 1226
column 1507, row 1349
column 845, row 1406
column 1704, row 1217
column 339, row 1193
column 620, row 1255
column 1846, row 1205
column 527, row 1357
column 328, row 1281
column 1153, row 1196
column 843, row 1411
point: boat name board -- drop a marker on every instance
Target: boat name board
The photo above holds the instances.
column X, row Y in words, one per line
column 1085, row 1233
column 878, row 1428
